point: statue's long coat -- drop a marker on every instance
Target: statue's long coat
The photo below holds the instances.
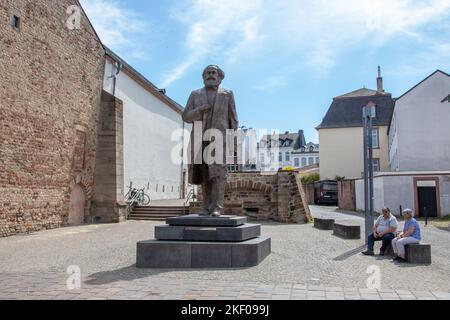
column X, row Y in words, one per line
column 222, row 116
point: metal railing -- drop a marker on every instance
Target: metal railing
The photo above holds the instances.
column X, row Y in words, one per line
column 131, row 203
column 135, row 197
column 188, row 198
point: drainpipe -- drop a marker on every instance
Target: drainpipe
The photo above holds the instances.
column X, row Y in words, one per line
column 182, row 165
column 118, row 66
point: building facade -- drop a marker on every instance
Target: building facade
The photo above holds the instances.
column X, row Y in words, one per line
column 152, row 132
column 50, row 89
column 341, row 136
column 427, row 193
column 419, row 134
column 286, row 150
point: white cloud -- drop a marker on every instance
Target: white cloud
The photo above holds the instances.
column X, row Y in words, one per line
column 117, row 27
column 315, row 32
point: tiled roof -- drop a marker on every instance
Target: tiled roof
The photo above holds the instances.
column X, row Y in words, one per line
column 363, row 92
column 295, row 140
column 347, row 111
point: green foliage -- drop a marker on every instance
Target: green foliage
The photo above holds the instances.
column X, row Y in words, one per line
column 288, row 168
column 310, row 178
column 339, row 178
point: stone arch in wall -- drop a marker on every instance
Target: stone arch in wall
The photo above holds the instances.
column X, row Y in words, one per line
column 77, row 206
column 249, row 185
column 80, row 194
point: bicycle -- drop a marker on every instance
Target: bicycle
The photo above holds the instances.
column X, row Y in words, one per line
column 137, row 196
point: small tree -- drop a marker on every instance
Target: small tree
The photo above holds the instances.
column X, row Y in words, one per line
column 310, row 178
column 339, row 178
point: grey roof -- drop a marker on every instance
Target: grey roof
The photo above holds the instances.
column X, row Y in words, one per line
column 308, row 148
column 363, row 92
column 347, row 112
column 155, row 90
column 297, row 140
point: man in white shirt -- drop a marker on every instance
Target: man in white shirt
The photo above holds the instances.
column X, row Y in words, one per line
column 383, row 230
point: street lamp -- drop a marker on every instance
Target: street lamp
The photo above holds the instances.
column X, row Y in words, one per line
column 369, row 113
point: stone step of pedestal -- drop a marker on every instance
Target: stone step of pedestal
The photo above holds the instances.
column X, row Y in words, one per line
column 196, row 220
column 221, row 234
column 185, row 254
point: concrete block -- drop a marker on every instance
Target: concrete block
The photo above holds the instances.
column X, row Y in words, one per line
column 202, row 221
column 250, row 253
column 200, row 234
column 211, row 255
column 418, row 253
column 163, row 254
column 324, row 223
column 220, row 234
column 347, row 230
column 241, row 233
column 187, row 254
column 165, row 232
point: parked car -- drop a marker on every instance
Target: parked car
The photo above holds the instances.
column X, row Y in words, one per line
column 326, row 192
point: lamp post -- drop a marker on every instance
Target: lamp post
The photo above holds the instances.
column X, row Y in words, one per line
column 369, row 113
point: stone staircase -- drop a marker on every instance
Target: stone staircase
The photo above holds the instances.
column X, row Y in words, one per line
column 157, row 213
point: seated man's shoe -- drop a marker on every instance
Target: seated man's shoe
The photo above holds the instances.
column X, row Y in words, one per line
column 368, row 253
column 382, row 253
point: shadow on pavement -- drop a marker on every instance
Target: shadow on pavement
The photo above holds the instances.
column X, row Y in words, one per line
column 350, row 253
column 133, row 273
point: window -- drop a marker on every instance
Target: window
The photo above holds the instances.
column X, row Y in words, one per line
column 288, row 156
column 272, row 157
column 376, row 165
column 317, row 160
column 16, row 22
column 297, row 162
column 310, row 161
column 375, row 140
column 303, row 162
column 261, row 158
column 280, row 157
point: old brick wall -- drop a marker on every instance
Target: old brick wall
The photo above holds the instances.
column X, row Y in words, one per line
column 50, row 86
column 346, row 195
column 277, row 197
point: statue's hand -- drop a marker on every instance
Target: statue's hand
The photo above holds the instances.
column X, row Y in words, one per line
column 204, row 108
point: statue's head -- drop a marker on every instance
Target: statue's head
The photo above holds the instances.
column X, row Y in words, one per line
column 213, row 76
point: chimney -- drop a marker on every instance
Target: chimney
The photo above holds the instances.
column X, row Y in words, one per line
column 380, row 89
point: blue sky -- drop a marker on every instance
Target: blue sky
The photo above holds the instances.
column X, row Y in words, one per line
column 284, row 60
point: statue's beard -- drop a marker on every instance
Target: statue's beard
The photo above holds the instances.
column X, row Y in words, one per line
column 212, row 83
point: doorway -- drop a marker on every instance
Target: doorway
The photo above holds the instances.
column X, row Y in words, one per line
column 427, row 198
column 77, row 205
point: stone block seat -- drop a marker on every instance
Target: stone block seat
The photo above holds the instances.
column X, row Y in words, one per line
column 196, row 241
column 347, row 230
column 418, row 253
column 322, row 223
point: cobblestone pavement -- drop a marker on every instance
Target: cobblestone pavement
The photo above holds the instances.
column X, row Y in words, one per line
column 305, row 264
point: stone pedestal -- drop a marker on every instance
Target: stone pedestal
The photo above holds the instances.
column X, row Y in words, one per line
column 324, row 223
column 418, row 253
column 195, row 241
column 347, row 230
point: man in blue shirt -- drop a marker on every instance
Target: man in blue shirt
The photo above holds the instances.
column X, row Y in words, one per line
column 411, row 234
